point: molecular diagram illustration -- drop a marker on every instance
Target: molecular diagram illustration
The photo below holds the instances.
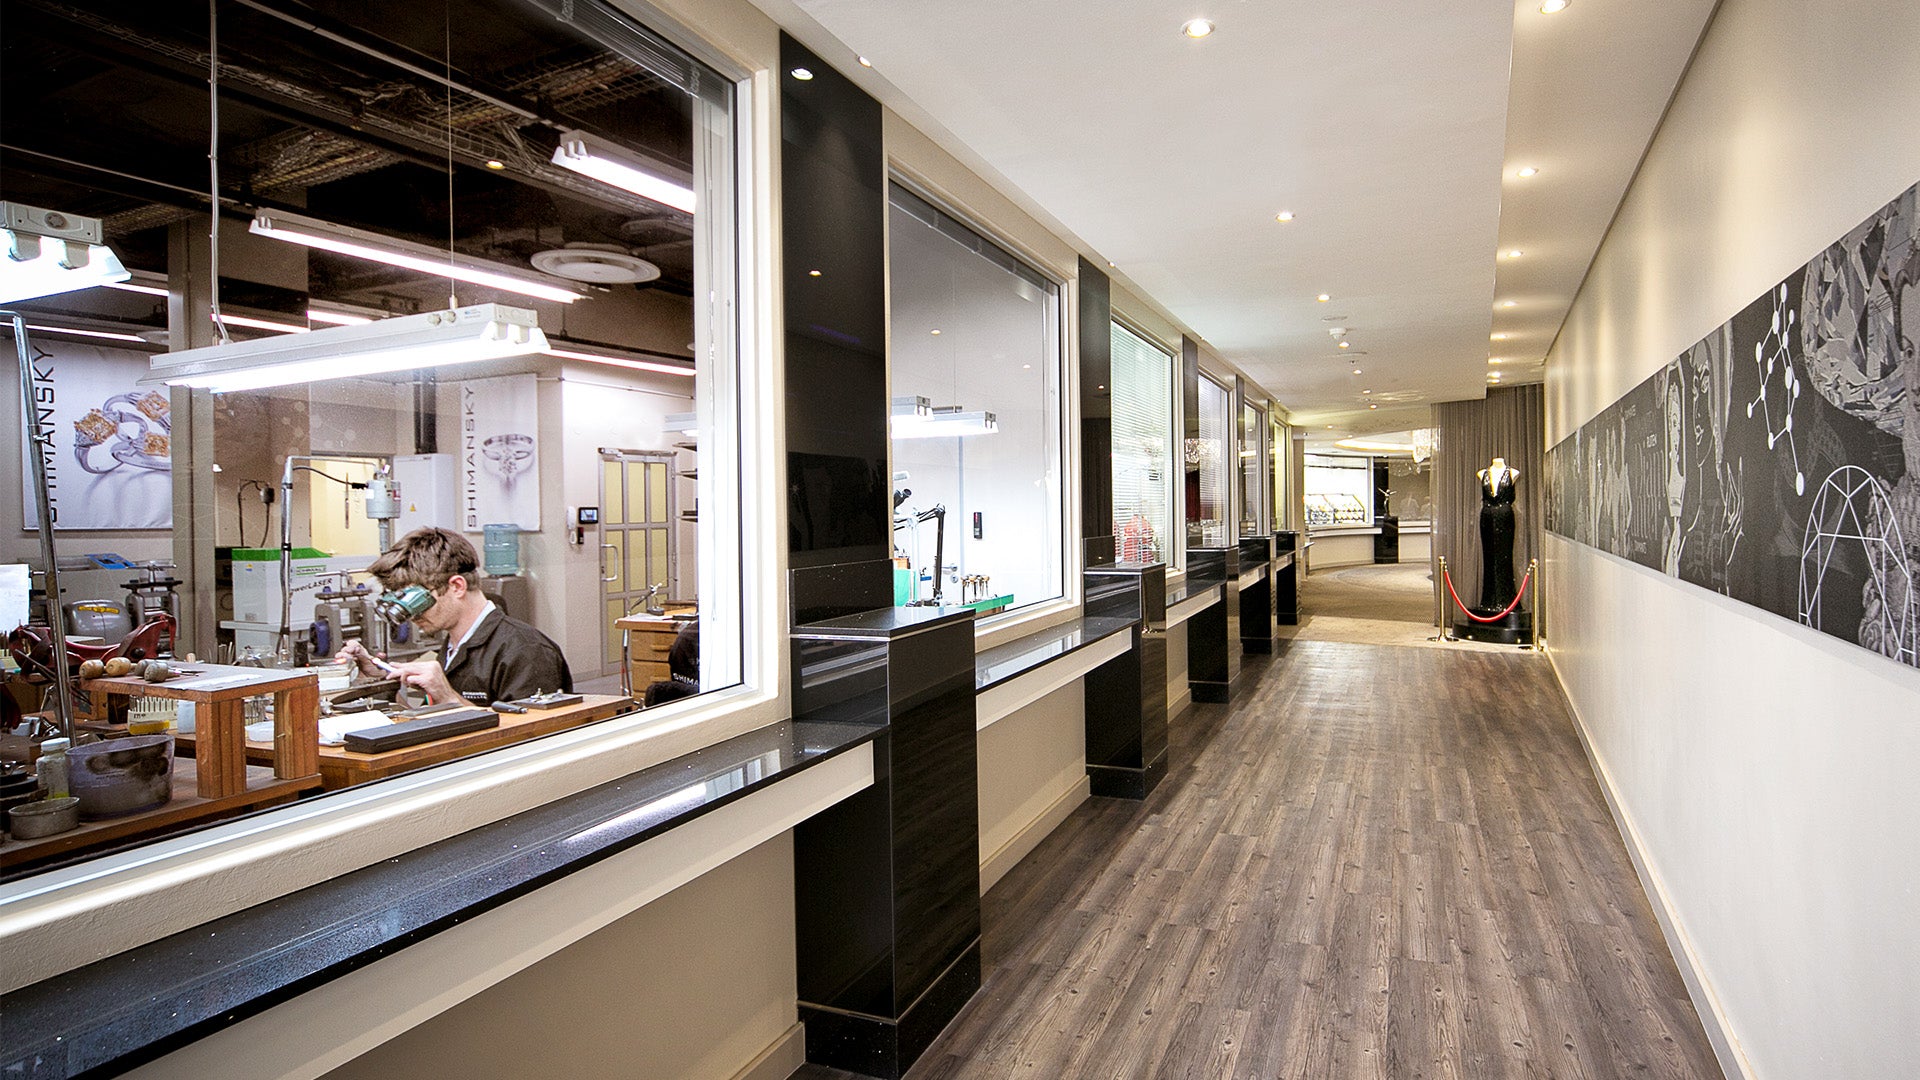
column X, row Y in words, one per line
column 1770, row 355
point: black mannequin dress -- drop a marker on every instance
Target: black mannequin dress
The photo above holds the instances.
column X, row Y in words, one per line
column 1496, row 544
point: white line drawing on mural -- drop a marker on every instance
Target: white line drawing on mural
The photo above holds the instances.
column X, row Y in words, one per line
column 1852, row 507
column 1770, row 354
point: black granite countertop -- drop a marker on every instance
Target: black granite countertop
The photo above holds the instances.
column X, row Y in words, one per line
column 1023, row 654
column 138, row 1005
column 1185, row 591
column 884, row 622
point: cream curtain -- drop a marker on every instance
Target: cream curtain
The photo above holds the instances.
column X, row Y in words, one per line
column 1510, row 423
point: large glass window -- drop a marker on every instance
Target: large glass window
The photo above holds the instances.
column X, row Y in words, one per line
column 975, row 359
column 1209, row 466
column 529, row 521
column 1143, row 465
column 1339, row 490
column 1253, row 470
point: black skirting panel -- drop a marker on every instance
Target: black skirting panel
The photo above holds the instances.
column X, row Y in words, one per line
column 1213, row 658
column 887, row 882
column 1126, row 697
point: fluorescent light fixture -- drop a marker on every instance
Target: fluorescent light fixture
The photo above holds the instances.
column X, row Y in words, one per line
column 940, row 422
column 602, row 161
column 361, row 244
column 48, row 252
column 685, row 423
column 128, row 286
column 77, row 332
column 252, row 323
column 480, row 332
column 664, row 367
column 337, row 318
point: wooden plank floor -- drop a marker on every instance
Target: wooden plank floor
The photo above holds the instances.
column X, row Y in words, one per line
column 1379, row 862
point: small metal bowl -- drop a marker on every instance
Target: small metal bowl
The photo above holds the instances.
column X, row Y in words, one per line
column 48, row 817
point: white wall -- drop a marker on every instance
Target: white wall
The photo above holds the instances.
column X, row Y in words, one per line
column 1033, row 772
column 1763, row 772
column 694, row 985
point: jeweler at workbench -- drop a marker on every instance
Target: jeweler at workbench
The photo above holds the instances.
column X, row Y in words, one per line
column 489, row 656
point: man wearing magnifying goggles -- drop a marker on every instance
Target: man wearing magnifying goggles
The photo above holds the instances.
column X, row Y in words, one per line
column 430, row 578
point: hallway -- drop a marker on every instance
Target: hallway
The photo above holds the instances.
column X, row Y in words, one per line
column 1383, row 862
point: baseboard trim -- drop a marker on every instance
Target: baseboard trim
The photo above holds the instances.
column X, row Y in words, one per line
column 780, row 1059
column 1714, row 1020
column 995, row 866
column 1180, row 703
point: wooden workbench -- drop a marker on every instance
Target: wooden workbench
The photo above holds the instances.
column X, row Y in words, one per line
column 219, row 693
column 340, row 767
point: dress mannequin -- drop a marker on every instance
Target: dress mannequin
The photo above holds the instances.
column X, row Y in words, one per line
column 1496, row 534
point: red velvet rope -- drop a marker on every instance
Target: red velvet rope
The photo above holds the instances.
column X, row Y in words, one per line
column 1522, row 591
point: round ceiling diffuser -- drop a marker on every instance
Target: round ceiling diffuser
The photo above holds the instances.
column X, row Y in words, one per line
column 597, row 264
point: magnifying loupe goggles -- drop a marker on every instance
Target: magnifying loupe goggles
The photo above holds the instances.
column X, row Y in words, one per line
column 400, row 608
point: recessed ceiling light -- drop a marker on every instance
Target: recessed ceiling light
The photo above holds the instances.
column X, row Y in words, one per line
column 1527, row 170
column 1366, row 391
column 1197, row 28
column 802, row 74
column 1323, row 298
column 1548, row 7
column 935, row 333
column 1284, row 215
column 1356, row 371
column 1113, row 264
column 1102, row 386
column 864, row 62
column 1026, row 367
column 1329, row 427
column 813, row 273
column 496, row 163
column 1510, row 303
column 1495, row 360
column 1499, row 337
column 1343, row 345
column 1373, row 406
column 1515, row 253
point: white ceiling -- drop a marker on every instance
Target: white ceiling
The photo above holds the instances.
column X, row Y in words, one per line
column 1392, row 132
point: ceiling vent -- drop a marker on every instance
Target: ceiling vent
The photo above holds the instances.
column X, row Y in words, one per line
column 596, row 264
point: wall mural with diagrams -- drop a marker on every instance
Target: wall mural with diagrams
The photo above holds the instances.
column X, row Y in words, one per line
column 1777, row 461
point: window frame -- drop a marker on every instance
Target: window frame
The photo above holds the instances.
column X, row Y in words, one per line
column 1018, row 620
column 57, row 919
column 1175, row 555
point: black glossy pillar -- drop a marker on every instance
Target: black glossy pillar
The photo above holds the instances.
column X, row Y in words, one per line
column 887, row 882
column 1212, row 660
column 833, row 221
column 1096, row 415
column 1286, row 578
column 1126, row 697
column 1256, row 600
